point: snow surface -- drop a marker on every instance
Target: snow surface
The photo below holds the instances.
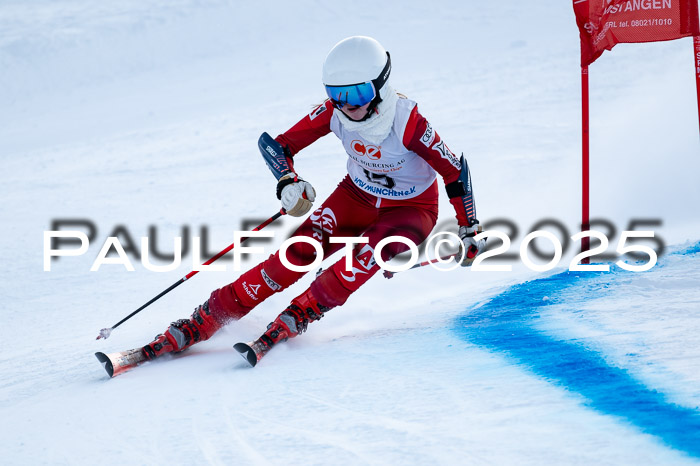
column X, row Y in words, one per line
column 141, row 113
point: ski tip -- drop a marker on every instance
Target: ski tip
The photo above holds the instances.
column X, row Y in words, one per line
column 106, row 363
column 247, row 352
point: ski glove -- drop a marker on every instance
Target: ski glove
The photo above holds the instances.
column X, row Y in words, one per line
column 469, row 245
column 297, row 195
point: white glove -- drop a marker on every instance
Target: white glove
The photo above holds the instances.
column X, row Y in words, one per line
column 471, row 247
column 297, row 195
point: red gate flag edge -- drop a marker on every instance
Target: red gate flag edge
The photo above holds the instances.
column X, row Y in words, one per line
column 696, row 61
column 604, row 23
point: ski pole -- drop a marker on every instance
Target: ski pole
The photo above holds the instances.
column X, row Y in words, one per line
column 105, row 332
column 388, row 274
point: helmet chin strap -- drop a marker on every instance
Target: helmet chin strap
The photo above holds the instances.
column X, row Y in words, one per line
column 371, row 109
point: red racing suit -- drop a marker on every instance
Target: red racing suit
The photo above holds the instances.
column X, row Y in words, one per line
column 390, row 189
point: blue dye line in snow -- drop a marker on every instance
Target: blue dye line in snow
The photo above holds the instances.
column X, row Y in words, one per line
column 504, row 325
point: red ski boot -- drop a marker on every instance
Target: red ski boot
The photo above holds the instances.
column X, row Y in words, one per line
column 184, row 333
column 290, row 323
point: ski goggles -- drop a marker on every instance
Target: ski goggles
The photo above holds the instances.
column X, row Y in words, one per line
column 353, row 95
column 361, row 93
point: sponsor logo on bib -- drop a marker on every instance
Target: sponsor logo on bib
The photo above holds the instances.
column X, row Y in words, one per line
column 370, row 151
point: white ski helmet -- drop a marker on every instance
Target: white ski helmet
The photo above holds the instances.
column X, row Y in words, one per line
column 355, row 70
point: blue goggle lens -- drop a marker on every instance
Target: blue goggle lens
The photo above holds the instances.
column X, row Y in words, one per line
column 355, row 94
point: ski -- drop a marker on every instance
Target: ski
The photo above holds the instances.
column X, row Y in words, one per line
column 253, row 351
column 117, row 363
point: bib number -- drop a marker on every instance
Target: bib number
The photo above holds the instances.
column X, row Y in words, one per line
column 382, row 180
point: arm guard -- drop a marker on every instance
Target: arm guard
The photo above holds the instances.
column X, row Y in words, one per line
column 274, row 155
column 463, row 188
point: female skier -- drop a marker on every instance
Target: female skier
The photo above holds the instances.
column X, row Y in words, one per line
column 390, row 189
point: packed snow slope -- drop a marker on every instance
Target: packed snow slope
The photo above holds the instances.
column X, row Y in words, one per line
column 142, row 117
